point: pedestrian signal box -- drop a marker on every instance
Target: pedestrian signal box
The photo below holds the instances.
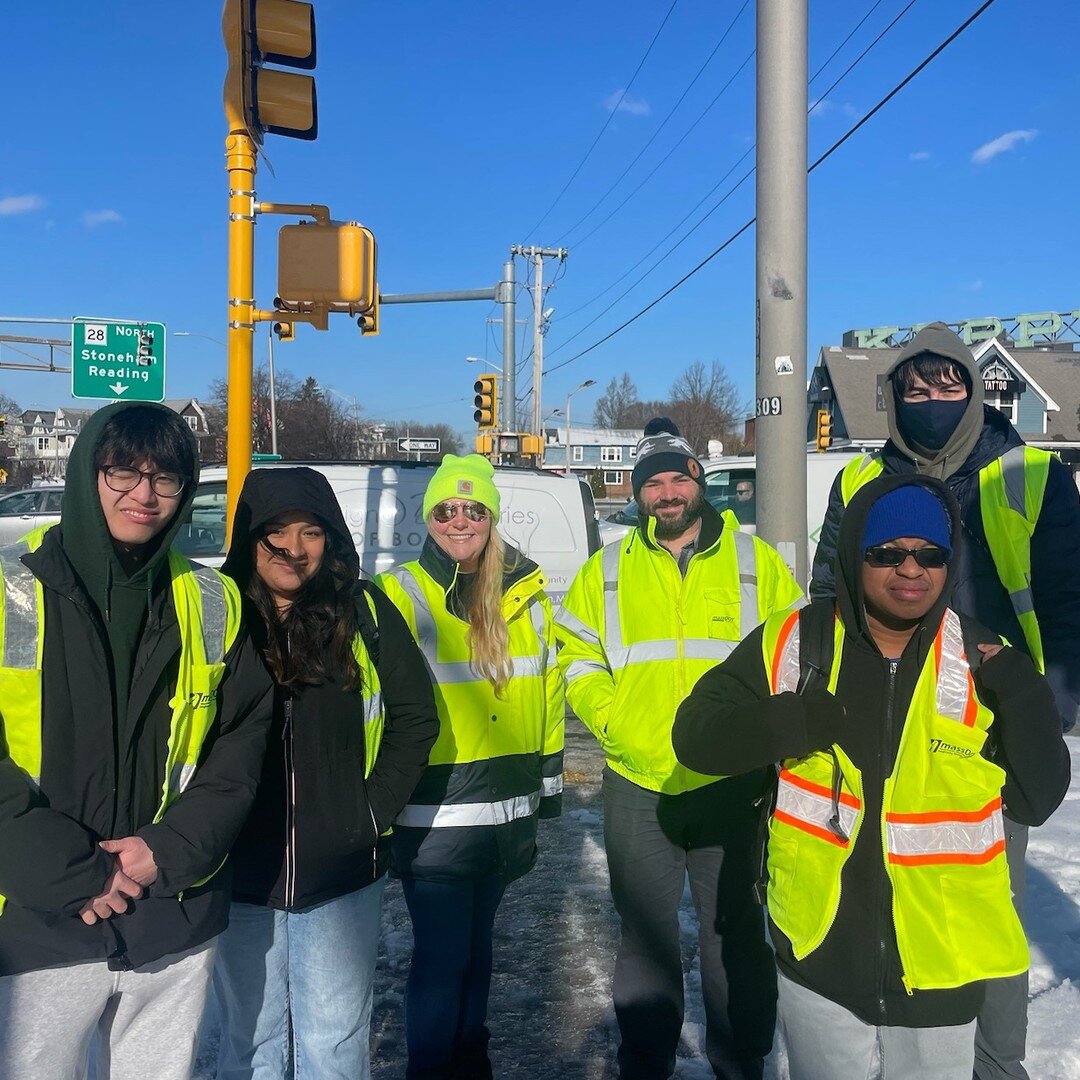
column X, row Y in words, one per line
column 327, row 264
column 824, row 430
column 486, row 401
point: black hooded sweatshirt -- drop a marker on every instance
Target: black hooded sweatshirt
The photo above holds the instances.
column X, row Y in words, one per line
column 109, row 667
column 731, row 724
column 313, row 833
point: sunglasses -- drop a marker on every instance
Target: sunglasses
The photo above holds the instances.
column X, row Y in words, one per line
column 929, row 558
column 446, row 511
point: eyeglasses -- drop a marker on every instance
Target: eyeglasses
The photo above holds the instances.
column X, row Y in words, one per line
column 929, row 558
column 126, row 478
column 447, row 511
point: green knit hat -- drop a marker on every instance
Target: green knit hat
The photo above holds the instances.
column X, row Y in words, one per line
column 468, row 477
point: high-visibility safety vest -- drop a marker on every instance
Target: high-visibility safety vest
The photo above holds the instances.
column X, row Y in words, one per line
column 505, row 752
column 635, row 636
column 942, row 835
column 208, row 618
column 371, row 688
column 1011, row 490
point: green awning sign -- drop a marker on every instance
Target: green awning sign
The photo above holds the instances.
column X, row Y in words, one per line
column 118, row 360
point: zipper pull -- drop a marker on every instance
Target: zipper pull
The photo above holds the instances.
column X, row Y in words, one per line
column 907, row 985
column 288, row 719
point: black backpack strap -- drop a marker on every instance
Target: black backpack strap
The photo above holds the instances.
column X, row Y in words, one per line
column 369, row 628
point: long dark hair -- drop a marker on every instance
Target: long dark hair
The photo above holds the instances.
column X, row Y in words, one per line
column 311, row 643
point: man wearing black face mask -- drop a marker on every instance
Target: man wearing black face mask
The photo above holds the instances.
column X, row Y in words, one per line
column 1017, row 571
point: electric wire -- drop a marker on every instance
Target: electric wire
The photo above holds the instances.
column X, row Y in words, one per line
column 824, row 157
column 663, row 123
column 604, row 127
column 707, row 195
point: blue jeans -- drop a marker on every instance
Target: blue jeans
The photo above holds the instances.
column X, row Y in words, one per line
column 446, row 995
column 311, row 970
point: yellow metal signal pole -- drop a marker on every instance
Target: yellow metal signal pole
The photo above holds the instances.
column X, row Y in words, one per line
column 240, row 163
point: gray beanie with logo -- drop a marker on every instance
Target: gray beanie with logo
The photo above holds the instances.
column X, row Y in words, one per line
column 663, row 449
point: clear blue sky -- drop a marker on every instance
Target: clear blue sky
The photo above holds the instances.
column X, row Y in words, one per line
column 449, row 128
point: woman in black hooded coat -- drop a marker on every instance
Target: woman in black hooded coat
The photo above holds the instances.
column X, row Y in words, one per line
column 354, row 720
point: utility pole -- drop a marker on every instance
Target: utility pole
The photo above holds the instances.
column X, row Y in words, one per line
column 538, row 255
column 780, row 426
column 509, row 417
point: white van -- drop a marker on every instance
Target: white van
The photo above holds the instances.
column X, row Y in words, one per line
column 723, row 476
column 547, row 516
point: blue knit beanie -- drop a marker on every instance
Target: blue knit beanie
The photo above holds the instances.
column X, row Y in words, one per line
column 910, row 510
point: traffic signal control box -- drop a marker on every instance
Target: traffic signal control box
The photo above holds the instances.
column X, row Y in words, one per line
column 486, row 401
column 327, row 264
column 824, row 430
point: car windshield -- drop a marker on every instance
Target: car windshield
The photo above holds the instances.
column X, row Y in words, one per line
column 20, row 502
column 203, row 533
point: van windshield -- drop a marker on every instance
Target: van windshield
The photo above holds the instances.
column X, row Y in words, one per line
column 202, row 535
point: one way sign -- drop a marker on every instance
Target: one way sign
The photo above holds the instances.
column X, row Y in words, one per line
column 419, row 446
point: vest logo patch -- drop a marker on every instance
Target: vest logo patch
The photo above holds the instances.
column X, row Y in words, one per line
column 940, row 746
column 722, row 618
column 200, row 700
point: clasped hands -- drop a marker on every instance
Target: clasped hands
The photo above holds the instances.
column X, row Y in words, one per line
column 133, row 870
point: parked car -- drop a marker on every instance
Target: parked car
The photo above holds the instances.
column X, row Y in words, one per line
column 550, row 517
column 729, row 480
column 21, row 511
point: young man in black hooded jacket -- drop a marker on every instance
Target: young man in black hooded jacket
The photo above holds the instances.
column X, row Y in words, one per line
column 888, row 887
column 133, row 719
column 939, row 426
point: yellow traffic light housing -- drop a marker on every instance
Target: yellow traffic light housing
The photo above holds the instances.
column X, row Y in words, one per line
column 327, row 264
column 262, row 100
column 286, row 331
column 486, row 401
column 824, row 430
column 485, row 445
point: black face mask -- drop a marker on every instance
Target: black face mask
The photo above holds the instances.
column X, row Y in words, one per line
column 929, row 424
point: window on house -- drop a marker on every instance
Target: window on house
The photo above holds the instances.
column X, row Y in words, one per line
column 613, row 478
column 1004, row 403
column 633, row 451
column 610, row 454
column 578, row 453
column 192, row 422
column 42, row 444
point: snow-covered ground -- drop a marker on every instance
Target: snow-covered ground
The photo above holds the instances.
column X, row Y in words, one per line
column 556, row 933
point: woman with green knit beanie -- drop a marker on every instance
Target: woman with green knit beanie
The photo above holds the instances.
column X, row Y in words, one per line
column 478, row 610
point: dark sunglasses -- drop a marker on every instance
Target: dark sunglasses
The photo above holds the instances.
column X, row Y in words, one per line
column 447, row 511
column 929, row 558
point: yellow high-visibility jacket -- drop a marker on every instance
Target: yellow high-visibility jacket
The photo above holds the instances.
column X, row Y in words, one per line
column 635, row 635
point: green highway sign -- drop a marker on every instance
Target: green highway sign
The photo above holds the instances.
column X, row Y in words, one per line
column 112, row 358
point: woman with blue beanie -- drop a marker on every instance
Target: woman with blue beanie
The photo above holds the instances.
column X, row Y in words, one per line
column 478, row 610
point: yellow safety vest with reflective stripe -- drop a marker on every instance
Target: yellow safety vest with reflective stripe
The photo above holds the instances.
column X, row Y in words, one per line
column 476, row 728
column 942, row 835
column 374, row 709
column 1011, row 490
column 208, row 618
column 635, row 635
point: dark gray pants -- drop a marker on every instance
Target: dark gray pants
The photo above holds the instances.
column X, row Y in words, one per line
column 653, row 842
column 1001, row 1035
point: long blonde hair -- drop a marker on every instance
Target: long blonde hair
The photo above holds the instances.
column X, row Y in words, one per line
column 488, row 636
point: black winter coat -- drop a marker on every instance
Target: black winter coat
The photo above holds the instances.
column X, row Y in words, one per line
column 101, row 780
column 1055, row 568
column 731, row 724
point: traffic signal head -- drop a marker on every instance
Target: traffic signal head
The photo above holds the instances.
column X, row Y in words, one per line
column 145, row 354
column 486, row 401
column 286, row 331
column 824, row 430
column 260, row 99
column 3, row 426
column 328, row 264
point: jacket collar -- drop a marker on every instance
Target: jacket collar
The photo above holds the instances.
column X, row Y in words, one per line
column 443, row 570
column 712, row 529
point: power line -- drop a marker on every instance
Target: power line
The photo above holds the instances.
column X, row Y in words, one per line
column 610, row 117
column 824, row 157
column 709, row 193
column 663, row 123
column 854, row 31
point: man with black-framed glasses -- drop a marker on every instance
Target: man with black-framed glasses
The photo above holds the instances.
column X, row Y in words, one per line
column 898, row 729
column 133, row 719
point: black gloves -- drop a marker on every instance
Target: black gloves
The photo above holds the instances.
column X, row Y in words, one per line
column 826, row 720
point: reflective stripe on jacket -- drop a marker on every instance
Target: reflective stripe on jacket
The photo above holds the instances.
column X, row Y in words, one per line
column 208, row 619
column 374, row 710
column 635, row 636
column 498, row 760
column 1011, row 490
column 942, row 835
